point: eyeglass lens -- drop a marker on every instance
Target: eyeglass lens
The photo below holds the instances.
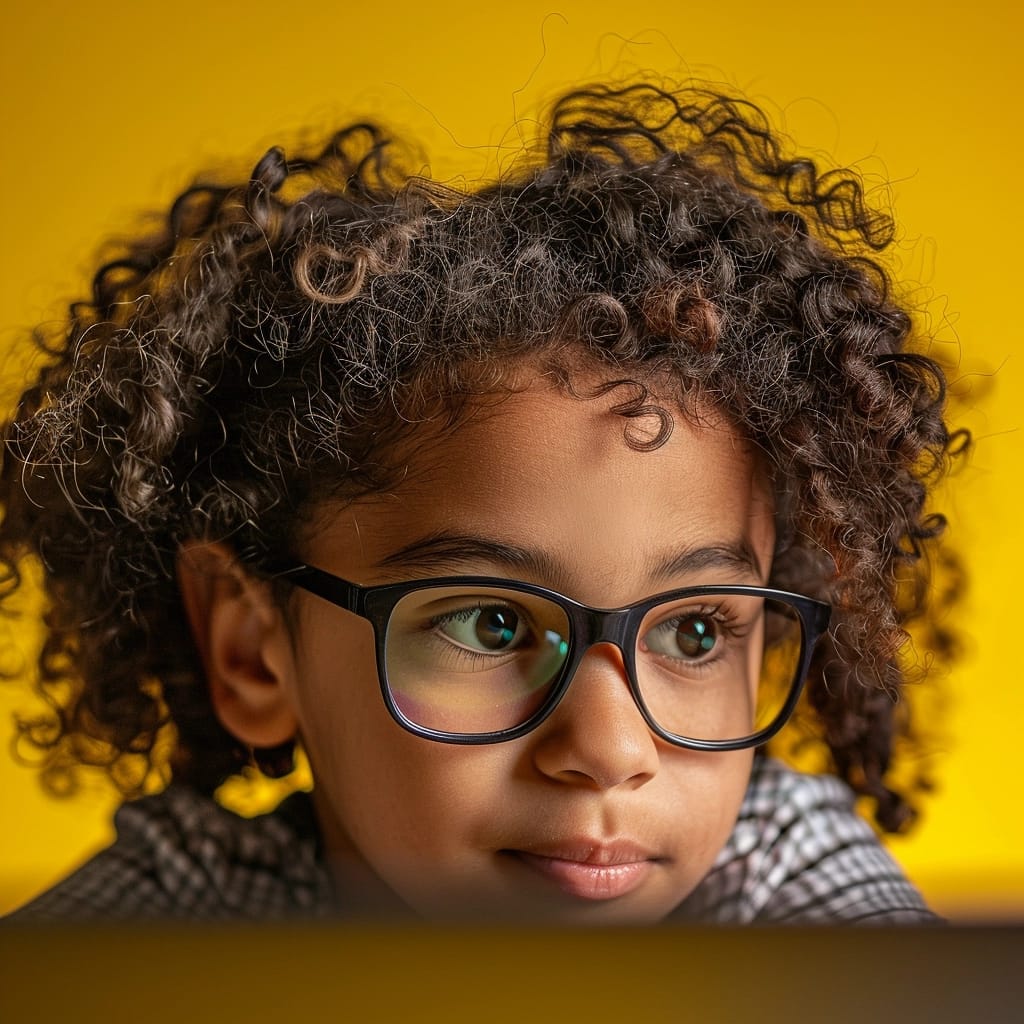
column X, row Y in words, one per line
column 475, row 660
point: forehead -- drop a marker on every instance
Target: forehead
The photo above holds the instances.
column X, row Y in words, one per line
column 555, row 474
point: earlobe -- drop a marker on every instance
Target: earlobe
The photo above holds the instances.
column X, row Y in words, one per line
column 243, row 643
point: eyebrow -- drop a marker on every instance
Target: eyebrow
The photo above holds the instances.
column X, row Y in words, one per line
column 731, row 556
column 450, row 552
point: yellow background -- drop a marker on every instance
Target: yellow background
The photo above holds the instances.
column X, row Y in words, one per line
column 109, row 108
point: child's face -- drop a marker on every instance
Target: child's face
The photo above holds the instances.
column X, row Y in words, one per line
column 591, row 817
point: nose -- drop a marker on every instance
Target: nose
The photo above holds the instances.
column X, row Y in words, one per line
column 596, row 737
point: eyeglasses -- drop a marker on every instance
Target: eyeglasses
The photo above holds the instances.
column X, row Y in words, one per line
column 479, row 659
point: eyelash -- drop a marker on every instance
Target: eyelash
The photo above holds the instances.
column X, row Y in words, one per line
column 727, row 621
column 462, row 615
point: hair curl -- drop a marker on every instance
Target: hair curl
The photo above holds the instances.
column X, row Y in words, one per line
column 275, row 339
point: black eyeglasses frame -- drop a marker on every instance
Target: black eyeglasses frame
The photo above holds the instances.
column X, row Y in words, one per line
column 587, row 626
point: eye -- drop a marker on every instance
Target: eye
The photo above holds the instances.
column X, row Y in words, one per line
column 494, row 628
column 686, row 636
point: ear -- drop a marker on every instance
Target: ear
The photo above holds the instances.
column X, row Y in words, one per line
column 243, row 643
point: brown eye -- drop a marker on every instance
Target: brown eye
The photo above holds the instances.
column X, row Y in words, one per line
column 685, row 636
column 696, row 635
column 496, row 628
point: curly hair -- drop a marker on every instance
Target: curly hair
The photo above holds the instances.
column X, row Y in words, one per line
column 275, row 339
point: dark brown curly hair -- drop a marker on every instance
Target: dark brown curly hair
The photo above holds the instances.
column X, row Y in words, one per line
column 276, row 339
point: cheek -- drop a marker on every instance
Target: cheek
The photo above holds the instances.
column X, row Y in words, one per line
column 335, row 689
column 411, row 820
column 382, row 788
column 709, row 789
column 342, row 718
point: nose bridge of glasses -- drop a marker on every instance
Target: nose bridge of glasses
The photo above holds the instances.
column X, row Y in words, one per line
column 601, row 626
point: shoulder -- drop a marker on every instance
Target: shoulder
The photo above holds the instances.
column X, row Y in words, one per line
column 181, row 855
column 800, row 854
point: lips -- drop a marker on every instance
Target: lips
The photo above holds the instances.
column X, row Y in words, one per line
column 590, row 870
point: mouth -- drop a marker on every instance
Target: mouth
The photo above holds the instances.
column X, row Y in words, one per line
column 590, row 870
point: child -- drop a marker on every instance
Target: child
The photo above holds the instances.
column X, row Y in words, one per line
column 345, row 457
